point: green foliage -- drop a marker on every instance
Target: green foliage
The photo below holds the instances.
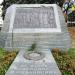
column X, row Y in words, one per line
column 68, row 73
column 7, row 3
column 33, row 46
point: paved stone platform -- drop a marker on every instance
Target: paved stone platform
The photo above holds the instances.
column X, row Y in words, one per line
column 22, row 66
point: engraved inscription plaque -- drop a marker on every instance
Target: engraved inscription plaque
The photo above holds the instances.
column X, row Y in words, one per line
column 37, row 17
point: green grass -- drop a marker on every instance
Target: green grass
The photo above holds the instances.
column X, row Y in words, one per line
column 65, row 61
column 72, row 52
column 2, row 52
column 6, row 58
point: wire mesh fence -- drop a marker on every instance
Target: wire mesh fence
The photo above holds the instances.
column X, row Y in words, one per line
column 71, row 19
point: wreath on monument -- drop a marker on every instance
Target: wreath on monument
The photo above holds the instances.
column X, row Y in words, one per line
column 33, row 54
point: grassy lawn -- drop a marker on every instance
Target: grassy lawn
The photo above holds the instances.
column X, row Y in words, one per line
column 6, row 58
column 65, row 61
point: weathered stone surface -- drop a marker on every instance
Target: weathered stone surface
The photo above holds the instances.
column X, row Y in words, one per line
column 42, row 17
column 45, row 66
column 40, row 23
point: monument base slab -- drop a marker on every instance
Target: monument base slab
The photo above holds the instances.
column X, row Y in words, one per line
column 45, row 66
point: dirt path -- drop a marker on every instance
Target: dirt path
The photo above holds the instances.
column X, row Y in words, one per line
column 72, row 34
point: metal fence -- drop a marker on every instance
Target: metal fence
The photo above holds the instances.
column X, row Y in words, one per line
column 71, row 19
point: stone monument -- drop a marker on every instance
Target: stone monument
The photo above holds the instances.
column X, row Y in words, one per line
column 44, row 24
column 40, row 24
